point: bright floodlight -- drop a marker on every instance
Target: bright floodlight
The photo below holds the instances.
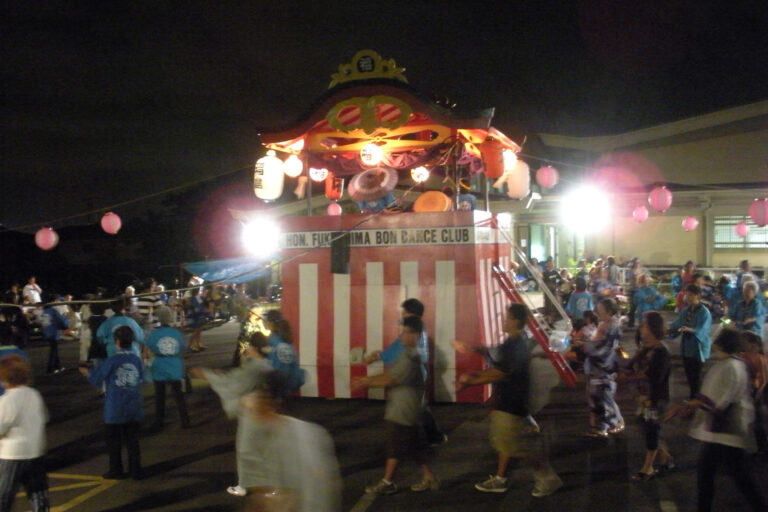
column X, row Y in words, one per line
column 261, row 236
column 585, row 209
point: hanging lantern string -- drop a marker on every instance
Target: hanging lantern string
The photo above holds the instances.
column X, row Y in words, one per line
column 103, row 209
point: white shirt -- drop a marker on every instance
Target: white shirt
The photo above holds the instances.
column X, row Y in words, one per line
column 726, row 388
column 31, row 293
column 22, row 424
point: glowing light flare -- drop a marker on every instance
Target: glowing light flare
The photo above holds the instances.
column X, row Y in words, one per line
column 509, row 158
column 293, row 166
column 420, row 174
column 261, row 236
column 318, row 174
column 371, row 154
column 586, row 209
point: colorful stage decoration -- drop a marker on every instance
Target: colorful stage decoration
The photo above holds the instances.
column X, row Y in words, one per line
column 46, row 238
column 420, row 174
column 493, row 159
column 758, row 211
column 372, row 184
column 334, row 187
column 690, row 223
column 333, row 209
column 301, row 187
column 547, row 176
column 371, row 154
column 741, row 229
column 268, row 177
column 111, row 223
column 318, row 174
column 660, row 198
column 432, row 201
column 640, row 214
column 293, row 166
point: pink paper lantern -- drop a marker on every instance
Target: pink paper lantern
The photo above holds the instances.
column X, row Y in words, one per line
column 640, row 214
column 547, row 176
column 741, row 229
column 690, row 223
column 111, row 223
column 46, row 238
column 758, row 211
column 333, row 209
column 660, row 199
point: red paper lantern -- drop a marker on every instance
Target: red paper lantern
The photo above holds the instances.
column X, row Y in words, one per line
column 660, row 198
column 758, row 211
column 547, row 176
column 690, row 223
column 640, row 214
column 334, row 187
column 333, row 209
column 111, row 223
column 493, row 159
column 741, row 229
column 46, row 238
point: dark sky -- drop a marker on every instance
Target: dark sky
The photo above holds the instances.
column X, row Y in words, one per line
column 105, row 101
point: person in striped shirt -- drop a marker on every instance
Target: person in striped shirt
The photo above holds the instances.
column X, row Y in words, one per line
column 146, row 305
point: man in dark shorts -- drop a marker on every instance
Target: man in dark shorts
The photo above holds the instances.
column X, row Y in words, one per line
column 514, row 432
column 403, row 412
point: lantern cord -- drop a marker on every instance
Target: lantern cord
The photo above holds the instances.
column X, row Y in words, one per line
column 123, row 203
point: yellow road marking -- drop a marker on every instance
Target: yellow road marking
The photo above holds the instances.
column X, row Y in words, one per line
column 90, row 494
column 98, row 484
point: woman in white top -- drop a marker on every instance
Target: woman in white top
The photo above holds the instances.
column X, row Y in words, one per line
column 22, row 436
column 723, row 422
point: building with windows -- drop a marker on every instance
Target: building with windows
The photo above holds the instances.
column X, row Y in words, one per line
column 715, row 165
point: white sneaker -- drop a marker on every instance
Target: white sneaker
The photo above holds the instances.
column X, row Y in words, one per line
column 547, row 486
column 493, row 484
column 236, row 490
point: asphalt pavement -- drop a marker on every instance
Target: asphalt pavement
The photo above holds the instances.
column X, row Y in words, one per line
column 189, row 469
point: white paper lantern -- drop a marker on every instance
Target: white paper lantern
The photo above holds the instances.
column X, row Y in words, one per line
column 519, row 181
column 420, row 174
column 268, row 177
column 293, row 166
column 371, row 154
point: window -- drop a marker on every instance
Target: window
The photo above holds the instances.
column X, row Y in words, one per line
column 726, row 238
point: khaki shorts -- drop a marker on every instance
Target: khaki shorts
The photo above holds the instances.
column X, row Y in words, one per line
column 514, row 436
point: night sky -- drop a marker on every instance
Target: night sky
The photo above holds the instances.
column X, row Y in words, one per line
column 105, row 101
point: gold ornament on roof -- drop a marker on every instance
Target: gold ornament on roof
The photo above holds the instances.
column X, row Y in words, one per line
column 367, row 64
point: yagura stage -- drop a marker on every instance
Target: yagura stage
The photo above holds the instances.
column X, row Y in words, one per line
column 443, row 259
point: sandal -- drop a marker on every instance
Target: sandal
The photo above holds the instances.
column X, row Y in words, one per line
column 669, row 466
column 643, row 477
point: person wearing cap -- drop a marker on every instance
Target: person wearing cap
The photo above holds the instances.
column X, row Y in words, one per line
column 167, row 345
column 693, row 322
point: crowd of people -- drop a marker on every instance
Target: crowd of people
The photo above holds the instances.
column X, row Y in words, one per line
column 138, row 338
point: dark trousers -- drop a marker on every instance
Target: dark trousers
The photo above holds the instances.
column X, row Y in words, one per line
column 178, row 396
column 712, row 457
column 432, row 431
column 116, row 432
column 632, row 310
column 54, row 363
column 27, row 472
column 692, row 367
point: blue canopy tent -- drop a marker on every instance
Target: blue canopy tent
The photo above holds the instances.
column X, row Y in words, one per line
column 229, row 271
